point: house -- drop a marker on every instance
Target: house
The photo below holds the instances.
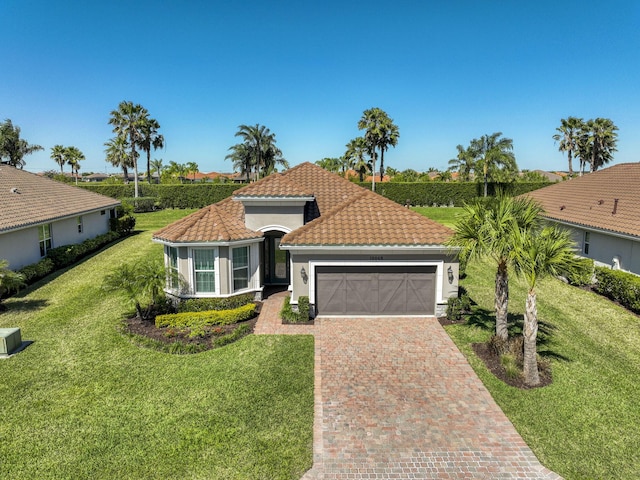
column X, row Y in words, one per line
column 38, row 214
column 602, row 210
column 347, row 249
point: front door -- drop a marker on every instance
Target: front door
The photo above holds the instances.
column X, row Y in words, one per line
column 276, row 261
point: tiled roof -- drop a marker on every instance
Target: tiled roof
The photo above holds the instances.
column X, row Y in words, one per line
column 369, row 219
column 343, row 214
column 590, row 200
column 274, row 185
column 30, row 199
column 220, row 222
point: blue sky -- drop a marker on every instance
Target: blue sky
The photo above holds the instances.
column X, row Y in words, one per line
column 445, row 71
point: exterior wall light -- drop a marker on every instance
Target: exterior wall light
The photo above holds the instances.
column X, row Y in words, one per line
column 303, row 274
column 450, row 274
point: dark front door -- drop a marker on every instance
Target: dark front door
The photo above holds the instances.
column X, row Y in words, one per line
column 276, row 261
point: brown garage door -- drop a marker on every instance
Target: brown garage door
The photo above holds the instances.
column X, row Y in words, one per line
column 375, row 290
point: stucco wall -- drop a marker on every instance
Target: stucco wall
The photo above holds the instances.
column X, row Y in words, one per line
column 258, row 217
column 603, row 248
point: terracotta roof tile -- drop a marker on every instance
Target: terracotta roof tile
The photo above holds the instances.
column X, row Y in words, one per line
column 220, row 222
column 370, row 219
column 30, row 199
column 274, row 185
column 590, row 200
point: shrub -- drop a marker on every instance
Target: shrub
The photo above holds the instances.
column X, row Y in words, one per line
column 583, row 274
column 237, row 334
column 211, row 317
column 302, row 315
column 206, row 304
column 622, row 287
column 125, row 221
column 141, row 204
column 457, row 307
column 34, row 272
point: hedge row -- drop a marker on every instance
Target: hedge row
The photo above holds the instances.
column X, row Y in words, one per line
column 64, row 256
column 170, row 196
column 622, row 287
column 202, row 194
column 202, row 319
column 448, row 193
column 205, row 304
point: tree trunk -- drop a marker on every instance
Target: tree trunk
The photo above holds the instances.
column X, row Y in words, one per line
column 530, row 333
column 381, row 163
column 135, row 169
column 485, row 178
column 149, row 166
column 570, row 163
column 502, row 301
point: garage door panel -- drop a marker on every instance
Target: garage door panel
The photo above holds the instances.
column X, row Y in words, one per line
column 392, row 292
column 361, row 293
column 332, row 293
column 420, row 293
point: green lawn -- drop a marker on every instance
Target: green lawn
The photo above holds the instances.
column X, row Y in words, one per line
column 444, row 215
column 585, row 425
column 83, row 402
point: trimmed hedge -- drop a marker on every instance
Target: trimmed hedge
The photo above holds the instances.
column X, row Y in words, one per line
column 447, row 193
column 302, row 315
column 622, row 287
column 202, row 319
column 64, row 256
column 171, row 196
column 206, row 304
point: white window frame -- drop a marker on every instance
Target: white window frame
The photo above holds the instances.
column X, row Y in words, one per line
column 216, row 271
column 173, row 271
column 80, row 224
column 233, row 269
column 46, row 242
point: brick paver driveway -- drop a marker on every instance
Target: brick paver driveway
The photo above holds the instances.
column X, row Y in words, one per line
column 395, row 398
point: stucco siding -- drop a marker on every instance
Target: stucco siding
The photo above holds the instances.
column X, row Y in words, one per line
column 603, row 248
column 259, row 217
column 20, row 248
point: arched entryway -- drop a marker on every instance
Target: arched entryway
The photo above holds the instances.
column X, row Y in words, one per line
column 275, row 262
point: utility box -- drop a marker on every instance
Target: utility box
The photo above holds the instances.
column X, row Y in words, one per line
column 10, row 340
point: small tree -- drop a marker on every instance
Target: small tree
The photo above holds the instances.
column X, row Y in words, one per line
column 9, row 280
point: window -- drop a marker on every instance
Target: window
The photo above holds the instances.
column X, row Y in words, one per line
column 204, row 270
column 80, row 224
column 240, row 263
column 585, row 246
column 44, row 234
column 173, row 274
column 103, row 212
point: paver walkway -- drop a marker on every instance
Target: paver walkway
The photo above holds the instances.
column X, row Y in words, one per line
column 395, row 399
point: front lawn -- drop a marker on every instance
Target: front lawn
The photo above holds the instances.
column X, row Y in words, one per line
column 444, row 215
column 585, row 424
column 82, row 401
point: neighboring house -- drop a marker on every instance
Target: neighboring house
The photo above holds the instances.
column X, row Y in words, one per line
column 351, row 251
column 38, row 214
column 95, row 177
column 602, row 209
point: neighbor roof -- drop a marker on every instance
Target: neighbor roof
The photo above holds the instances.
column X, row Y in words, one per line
column 341, row 214
column 29, row 199
column 608, row 199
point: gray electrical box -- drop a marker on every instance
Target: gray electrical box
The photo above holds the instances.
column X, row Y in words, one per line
column 10, row 340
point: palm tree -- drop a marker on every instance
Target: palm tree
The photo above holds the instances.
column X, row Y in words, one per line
column 156, row 167
column 490, row 229
column 117, row 154
column 58, row 156
column 12, row 147
column 605, row 138
column 380, row 133
column 540, row 252
column 493, row 154
column 9, row 280
column 260, row 148
column 463, row 163
column 74, row 156
column 191, row 167
column 242, row 159
column 356, row 151
column 150, row 138
column 330, row 164
column 128, row 122
column 567, row 135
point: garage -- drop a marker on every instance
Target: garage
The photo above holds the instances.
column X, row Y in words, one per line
column 375, row 290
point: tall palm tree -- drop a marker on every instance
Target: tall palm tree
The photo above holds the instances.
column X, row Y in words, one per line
column 242, row 159
column 380, row 133
column 494, row 154
column 356, row 151
column 605, row 138
column 260, row 148
column 128, row 122
column 74, row 156
column 150, row 138
column 156, row 167
column 12, row 147
column 540, row 252
column 463, row 163
column 117, row 153
column 58, row 156
column 490, row 229
column 191, row 167
column 330, row 164
column 567, row 135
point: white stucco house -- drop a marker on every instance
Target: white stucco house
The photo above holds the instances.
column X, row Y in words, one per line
column 349, row 250
column 37, row 214
column 602, row 210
